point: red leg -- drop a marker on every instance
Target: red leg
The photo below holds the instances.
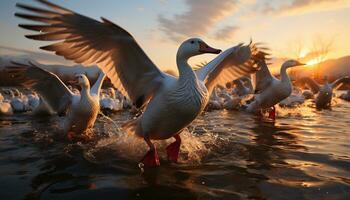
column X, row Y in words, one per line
column 151, row 158
column 272, row 114
column 173, row 149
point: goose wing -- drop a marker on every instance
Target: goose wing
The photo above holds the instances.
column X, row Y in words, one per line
column 343, row 80
column 88, row 41
column 96, row 87
column 263, row 77
column 233, row 63
column 45, row 83
column 315, row 88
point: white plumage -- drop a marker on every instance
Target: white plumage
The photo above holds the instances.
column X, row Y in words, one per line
column 270, row 90
column 82, row 109
column 169, row 103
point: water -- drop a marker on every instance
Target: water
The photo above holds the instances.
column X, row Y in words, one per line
column 225, row 155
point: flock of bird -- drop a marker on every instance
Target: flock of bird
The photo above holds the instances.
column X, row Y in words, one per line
column 167, row 104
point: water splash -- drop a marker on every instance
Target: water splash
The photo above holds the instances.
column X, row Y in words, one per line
column 129, row 147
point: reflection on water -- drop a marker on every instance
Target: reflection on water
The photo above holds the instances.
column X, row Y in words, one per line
column 225, row 155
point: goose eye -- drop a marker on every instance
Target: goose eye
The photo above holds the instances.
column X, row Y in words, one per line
column 192, row 42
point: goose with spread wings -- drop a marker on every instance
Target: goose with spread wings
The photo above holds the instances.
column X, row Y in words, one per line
column 324, row 92
column 81, row 109
column 270, row 90
column 169, row 103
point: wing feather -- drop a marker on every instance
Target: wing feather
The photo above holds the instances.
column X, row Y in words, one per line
column 88, row 41
column 315, row 88
column 343, row 80
column 47, row 84
column 228, row 66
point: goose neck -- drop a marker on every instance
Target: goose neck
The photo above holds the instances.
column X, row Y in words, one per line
column 284, row 75
column 85, row 91
column 184, row 68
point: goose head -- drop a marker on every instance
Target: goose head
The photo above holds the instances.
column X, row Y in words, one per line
column 292, row 63
column 193, row 47
column 82, row 81
column 111, row 93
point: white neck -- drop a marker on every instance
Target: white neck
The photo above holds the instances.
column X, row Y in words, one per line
column 85, row 91
column 283, row 72
column 184, row 68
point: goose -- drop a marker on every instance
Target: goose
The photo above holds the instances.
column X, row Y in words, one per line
column 38, row 106
column 18, row 101
column 243, row 86
column 5, row 106
column 231, row 102
column 269, row 89
column 109, row 102
column 215, row 102
column 169, row 103
column 324, row 92
column 345, row 96
column 33, row 101
column 81, row 109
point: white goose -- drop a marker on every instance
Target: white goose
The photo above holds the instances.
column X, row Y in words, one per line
column 18, row 101
column 170, row 103
column 5, row 106
column 82, row 109
column 324, row 92
column 215, row 102
column 243, row 86
column 109, row 102
column 269, row 89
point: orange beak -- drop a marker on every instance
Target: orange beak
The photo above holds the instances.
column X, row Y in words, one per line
column 204, row 48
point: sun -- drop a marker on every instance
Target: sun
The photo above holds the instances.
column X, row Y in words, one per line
column 303, row 53
column 313, row 61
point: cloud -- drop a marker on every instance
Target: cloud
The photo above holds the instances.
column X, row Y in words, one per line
column 198, row 20
column 301, row 6
column 37, row 56
column 226, row 32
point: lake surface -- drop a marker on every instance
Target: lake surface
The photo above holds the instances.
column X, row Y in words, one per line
column 225, row 155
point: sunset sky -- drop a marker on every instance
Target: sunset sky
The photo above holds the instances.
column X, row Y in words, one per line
column 160, row 25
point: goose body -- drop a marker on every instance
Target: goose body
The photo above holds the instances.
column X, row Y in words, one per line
column 215, row 102
column 110, row 102
column 169, row 103
column 18, row 101
column 83, row 112
column 172, row 109
column 33, row 101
